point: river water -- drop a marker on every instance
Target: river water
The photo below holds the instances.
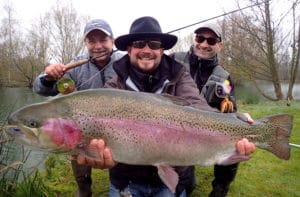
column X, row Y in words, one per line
column 21, row 159
column 269, row 89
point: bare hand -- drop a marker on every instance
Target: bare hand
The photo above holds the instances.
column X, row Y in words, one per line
column 245, row 117
column 104, row 153
column 244, row 147
column 55, row 71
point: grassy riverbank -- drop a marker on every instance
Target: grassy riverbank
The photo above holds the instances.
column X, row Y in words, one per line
column 263, row 175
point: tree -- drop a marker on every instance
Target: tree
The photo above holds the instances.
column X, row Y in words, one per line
column 21, row 53
column 11, row 44
column 57, row 36
column 295, row 53
column 255, row 44
column 183, row 44
column 65, row 29
column 35, row 50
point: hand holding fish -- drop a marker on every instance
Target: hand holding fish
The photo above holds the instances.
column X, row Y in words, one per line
column 244, row 147
column 99, row 146
column 245, row 117
column 145, row 129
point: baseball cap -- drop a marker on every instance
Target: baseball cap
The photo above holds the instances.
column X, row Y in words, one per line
column 99, row 24
column 211, row 27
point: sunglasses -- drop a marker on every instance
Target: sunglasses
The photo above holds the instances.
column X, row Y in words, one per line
column 152, row 44
column 210, row 40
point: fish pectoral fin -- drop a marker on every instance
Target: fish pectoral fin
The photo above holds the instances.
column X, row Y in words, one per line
column 169, row 176
column 90, row 152
column 236, row 158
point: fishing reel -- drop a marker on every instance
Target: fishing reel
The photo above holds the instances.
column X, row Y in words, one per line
column 65, row 85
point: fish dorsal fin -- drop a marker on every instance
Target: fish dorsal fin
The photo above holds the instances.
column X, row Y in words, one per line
column 176, row 99
column 169, row 177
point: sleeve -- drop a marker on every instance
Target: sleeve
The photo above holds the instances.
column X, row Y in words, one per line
column 46, row 88
column 43, row 87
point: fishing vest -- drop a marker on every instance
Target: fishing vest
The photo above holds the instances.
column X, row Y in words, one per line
column 218, row 75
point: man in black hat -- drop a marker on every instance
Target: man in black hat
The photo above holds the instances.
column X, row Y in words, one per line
column 147, row 69
column 202, row 62
column 99, row 42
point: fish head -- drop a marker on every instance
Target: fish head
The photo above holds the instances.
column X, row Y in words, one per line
column 44, row 127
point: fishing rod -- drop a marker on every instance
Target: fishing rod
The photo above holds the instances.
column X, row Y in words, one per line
column 294, row 145
column 237, row 10
column 80, row 62
column 67, row 85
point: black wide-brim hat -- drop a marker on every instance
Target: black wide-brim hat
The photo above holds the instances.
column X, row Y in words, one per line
column 145, row 28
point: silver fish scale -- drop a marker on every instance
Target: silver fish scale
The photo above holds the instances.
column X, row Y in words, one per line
column 164, row 111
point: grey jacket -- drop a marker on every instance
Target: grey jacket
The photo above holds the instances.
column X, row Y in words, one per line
column 86, row 76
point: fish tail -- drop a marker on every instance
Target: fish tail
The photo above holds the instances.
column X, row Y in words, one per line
column 278, row 141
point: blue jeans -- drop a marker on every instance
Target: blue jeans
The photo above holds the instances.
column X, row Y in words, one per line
column 142, row 190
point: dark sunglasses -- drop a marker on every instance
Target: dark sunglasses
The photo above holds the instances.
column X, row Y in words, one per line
column 210, row 40
column 153, row 44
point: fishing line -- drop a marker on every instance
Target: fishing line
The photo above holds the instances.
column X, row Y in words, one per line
column 226, row 13
column 93, row 76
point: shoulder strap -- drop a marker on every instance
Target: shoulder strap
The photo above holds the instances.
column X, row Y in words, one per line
column 220, row 73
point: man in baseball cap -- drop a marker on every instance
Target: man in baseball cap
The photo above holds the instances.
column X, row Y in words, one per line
column 99, row 43
column 202, row 62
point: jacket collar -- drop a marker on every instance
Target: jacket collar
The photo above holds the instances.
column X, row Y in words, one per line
column 135, row 79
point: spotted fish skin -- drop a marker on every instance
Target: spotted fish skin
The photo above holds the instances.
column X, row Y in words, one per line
column 144, row 129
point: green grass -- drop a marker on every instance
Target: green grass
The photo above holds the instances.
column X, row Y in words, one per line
column 263, row 175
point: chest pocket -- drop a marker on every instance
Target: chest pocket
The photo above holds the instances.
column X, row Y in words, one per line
column 210, row 91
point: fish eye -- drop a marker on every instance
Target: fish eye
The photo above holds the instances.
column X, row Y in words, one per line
column 32, row 124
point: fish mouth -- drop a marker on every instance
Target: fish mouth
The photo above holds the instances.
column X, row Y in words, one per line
column 22, row 133
column 32, row 138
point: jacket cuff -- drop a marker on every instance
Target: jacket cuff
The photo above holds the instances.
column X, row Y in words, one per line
column 46, row 82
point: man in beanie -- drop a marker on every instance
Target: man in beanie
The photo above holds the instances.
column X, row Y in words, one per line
column 202, row 62
column 146, row 68
column 99, row 42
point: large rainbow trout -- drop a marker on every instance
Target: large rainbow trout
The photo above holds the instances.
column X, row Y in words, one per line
column 145, row 129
